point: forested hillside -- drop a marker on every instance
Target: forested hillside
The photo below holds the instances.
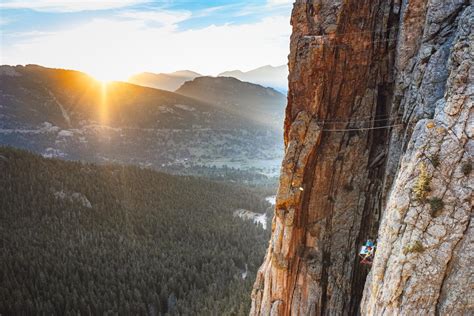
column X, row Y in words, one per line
column 79, row 238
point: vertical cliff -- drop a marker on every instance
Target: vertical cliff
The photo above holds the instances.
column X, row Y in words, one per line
column 380, row 92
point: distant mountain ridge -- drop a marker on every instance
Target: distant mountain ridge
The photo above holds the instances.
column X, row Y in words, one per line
column 275, row 77
column 164, row 81
column 268, row 76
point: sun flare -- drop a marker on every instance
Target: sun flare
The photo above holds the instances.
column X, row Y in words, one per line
column 104, row 104
column 107, row 74
column 102, row 77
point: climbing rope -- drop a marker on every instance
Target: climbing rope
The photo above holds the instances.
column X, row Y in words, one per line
column 360, row 128
column 359, row 32
column 390, row 121
column 366, row 119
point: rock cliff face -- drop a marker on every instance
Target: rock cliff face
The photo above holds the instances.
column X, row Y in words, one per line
column 378, row 136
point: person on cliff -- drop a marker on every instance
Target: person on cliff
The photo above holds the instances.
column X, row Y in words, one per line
column 367, row 252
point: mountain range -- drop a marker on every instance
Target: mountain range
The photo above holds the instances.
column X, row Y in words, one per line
column 68, row 114
column 267, row 76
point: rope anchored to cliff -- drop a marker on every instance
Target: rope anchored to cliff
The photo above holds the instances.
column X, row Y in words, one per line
column 361, row 128
column 358, row 125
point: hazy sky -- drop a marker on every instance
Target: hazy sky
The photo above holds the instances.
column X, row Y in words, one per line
column 113, row 39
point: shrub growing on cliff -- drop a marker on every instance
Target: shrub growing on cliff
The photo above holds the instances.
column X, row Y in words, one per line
column 436, row 205
column 435, row 160
column 422, row 186
column 417, row 247
column 466, row 168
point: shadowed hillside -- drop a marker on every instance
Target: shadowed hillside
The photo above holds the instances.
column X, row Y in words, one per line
column 265, row 105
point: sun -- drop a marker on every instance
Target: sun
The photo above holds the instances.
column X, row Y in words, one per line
column 103, row 77
column 108, row 74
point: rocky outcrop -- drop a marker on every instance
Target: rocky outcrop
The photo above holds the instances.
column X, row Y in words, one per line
column 378, row 126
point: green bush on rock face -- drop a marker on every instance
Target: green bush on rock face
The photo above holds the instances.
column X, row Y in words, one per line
column 466, row 168
column 435, row 160
column 416, row 247
column 436, row 205
column 422, row 186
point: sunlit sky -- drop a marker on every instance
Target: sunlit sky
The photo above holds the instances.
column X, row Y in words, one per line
column 114, row 39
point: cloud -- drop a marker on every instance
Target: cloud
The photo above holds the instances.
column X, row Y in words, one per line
column 211, row 10
column 161, row 17
column 68, row 5
column 122, row 46
column 279, row 2
column 269, row 7
column 4, row 21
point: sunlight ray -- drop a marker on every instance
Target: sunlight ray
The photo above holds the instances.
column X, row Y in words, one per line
column 104, row 104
